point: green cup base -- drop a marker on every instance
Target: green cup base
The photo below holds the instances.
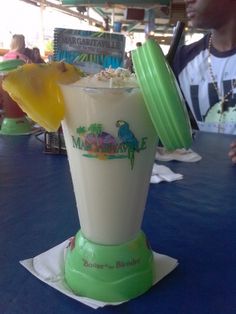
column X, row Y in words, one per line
column 109, row 273
column 16, row 126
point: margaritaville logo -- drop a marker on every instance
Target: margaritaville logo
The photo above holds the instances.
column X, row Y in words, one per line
column 99, row 144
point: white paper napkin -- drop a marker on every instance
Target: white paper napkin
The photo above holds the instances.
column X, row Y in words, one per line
column 186, row 155
column 163, row 173
column 49, row 267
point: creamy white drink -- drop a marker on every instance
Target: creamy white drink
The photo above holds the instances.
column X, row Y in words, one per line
column 111, row 143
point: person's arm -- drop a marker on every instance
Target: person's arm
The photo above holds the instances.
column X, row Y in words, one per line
column 232, row 152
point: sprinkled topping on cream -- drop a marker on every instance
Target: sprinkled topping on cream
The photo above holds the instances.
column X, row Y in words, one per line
column 117, row 77
column 110, row 78
column 109, row 73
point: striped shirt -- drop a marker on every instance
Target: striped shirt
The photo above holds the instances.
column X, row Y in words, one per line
column 192, row 70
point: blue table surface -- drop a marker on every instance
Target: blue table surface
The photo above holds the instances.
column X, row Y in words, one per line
column 193, row 220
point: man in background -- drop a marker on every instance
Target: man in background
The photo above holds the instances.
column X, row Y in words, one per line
column 206, row 69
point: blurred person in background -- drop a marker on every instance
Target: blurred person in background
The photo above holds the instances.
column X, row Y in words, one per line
column 17, row 49
column 128, row 64
column 36, row 56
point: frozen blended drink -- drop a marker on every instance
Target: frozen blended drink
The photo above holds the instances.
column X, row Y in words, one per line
column 15, row 121
column 110, row 142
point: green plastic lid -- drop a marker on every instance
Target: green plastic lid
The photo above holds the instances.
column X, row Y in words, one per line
column 162, row 96
column 9, row 65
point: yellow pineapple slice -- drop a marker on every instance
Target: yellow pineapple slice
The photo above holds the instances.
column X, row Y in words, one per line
column 36, row 90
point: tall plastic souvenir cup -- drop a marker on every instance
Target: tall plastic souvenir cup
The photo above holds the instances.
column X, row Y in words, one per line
column 111, row 143
column 15, row 121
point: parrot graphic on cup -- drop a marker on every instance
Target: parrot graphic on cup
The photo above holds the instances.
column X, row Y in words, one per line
column 127, row 137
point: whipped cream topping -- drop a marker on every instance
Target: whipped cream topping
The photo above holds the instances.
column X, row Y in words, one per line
column 119, row 73
column 110, row 78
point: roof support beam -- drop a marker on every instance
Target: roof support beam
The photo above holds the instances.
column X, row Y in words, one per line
column 65, row 10
column 115, row 2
